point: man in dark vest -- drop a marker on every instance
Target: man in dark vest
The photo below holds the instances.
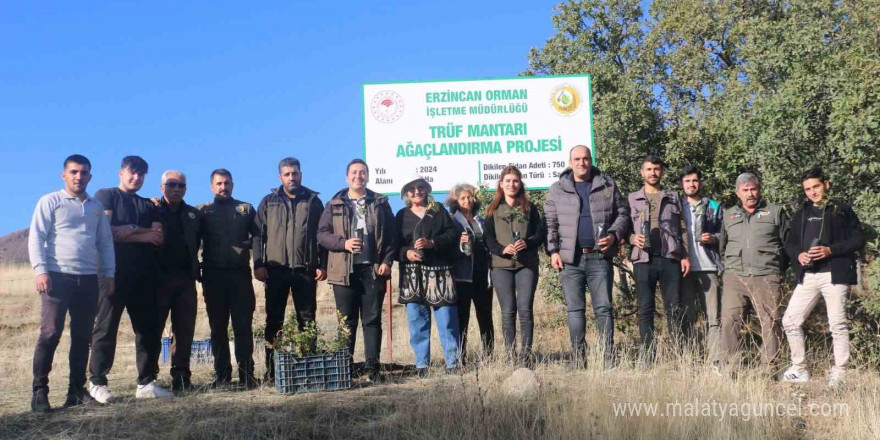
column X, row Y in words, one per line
column 587, row 219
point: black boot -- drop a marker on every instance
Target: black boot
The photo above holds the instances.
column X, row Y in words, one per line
column 373, row 371
column 181, row 384
column 40, row 401
column 578, row 359
column 527, row 359
column 76, row 397
column 248, row 381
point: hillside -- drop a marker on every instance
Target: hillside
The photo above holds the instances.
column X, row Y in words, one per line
column 13, row 248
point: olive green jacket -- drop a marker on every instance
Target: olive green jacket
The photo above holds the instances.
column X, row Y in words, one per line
column 753, row 244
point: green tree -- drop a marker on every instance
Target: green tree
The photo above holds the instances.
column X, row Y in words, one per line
column 772, row 88
column 769, row 87
column 607, row 40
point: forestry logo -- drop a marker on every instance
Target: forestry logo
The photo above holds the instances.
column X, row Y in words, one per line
column 387, row 106
column 565, row 99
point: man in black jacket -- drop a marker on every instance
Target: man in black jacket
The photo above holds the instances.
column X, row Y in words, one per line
column 825, row 235
column 227, row 232
column 286, row 253
column 178, row 272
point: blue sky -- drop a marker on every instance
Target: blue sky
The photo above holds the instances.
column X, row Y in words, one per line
column 197, row 86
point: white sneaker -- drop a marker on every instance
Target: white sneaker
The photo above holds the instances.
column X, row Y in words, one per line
column 796, row 376
column 152, row 391
column 101, row 393
column 836, row 379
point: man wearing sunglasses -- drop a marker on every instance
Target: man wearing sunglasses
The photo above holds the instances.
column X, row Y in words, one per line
column 178, row 271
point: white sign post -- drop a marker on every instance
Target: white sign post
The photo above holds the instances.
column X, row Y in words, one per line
column 469, row 130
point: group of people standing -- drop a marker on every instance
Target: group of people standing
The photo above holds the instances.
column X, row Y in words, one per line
column 96, row 257
column 706, row 260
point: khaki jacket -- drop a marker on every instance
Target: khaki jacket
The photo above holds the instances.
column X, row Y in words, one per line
column 500, row 226
column 335, row 226
column 289, row 239
column 753, row 244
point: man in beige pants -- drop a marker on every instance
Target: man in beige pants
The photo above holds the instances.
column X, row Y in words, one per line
column 752, row 238
column 825, row 236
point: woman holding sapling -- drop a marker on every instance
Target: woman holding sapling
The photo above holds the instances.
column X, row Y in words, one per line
column 514, row 232
column 472, row 266
column 428, row 240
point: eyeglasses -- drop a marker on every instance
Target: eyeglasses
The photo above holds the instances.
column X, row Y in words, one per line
column 415, row 188
column 174, row 185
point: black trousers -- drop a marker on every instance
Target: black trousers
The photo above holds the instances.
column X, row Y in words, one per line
column 283, row 282
column 135, row 292
column 667, row 273
column 230, row 293
column 177, row 296
column 516, row 296
column 77, row 294
column 479, row 293
column 363, row 296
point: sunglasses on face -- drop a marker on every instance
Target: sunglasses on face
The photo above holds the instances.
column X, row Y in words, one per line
column 174, row 185
column 415, row 188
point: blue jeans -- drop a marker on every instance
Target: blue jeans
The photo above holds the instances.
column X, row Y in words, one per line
column 595, row 273
column 419, row 317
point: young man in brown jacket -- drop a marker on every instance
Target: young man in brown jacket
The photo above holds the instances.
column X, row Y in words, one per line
column 660, row 252
column 357, row 230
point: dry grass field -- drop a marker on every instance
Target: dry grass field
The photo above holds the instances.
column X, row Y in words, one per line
column 567, row 405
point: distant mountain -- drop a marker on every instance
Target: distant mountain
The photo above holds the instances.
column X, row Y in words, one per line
column 13, row 248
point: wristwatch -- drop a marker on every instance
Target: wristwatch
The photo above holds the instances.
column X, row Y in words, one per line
column 134, row 228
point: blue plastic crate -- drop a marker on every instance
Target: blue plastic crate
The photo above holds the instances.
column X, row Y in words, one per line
column 323, row 372
column 200, row 353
